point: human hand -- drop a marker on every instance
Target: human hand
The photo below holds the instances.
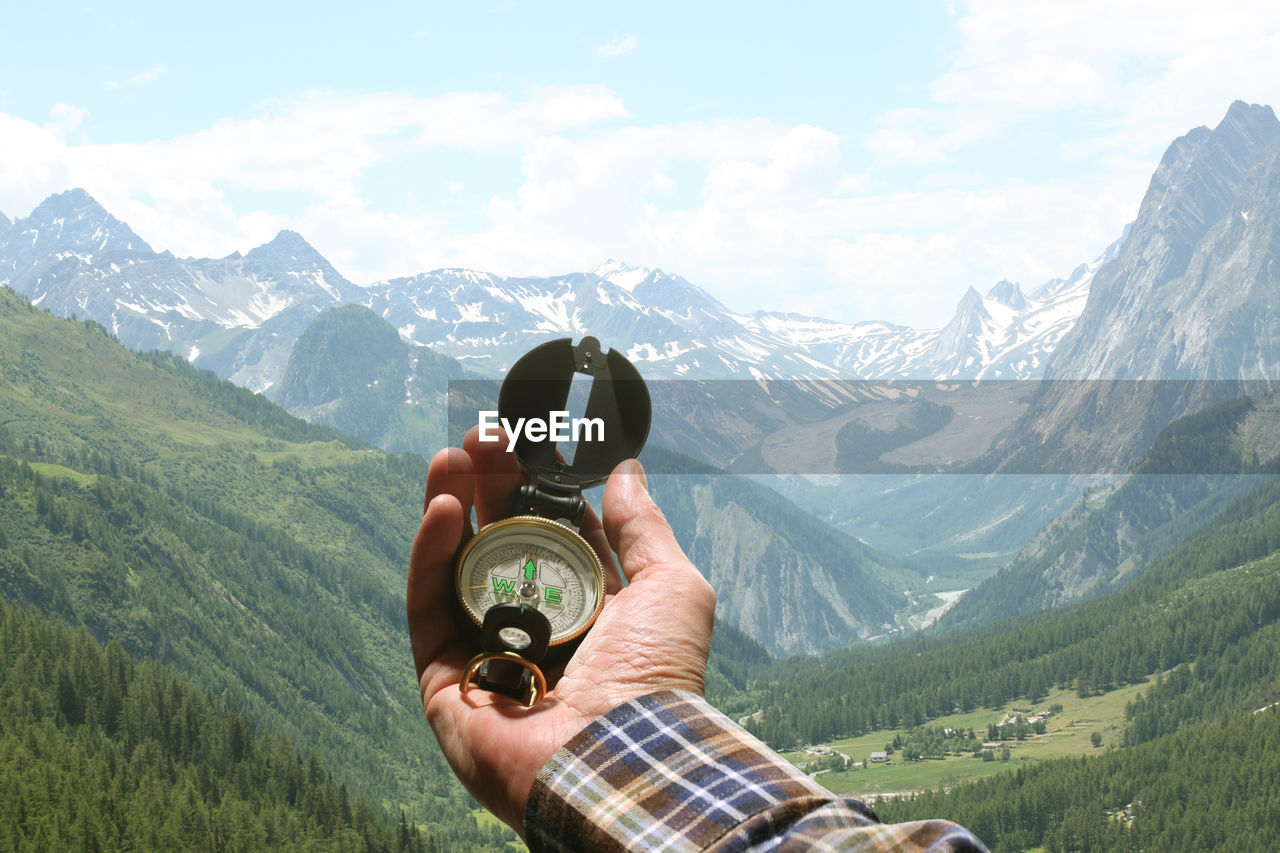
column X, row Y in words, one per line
column 653, row 634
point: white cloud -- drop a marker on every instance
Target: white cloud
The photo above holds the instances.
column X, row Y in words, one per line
column 1124, row 71
column 618, row 48
column 142, row 78
column 368, row 244
column 585, row 199
column 33, row 164
column 322, row 145
column 778, row 223
column 66, row 120
column 918, row 136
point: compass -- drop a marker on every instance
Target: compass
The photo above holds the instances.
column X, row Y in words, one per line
column 537, row 563
column 529, row 586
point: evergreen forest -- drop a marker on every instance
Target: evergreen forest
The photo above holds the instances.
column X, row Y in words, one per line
column 99, row 752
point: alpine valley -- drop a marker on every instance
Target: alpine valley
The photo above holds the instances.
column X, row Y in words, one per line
column 210, row 471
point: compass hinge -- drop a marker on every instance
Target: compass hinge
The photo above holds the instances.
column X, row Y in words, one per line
column 571, row 507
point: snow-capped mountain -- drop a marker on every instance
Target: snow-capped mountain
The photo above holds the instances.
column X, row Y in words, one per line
column 238, row 315
column 241, row 315
column 675, row 329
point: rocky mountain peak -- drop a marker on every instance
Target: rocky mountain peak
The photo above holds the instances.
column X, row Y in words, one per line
column 620, row 275
column 1199, row 175
column 289, row 257
column 660, row 288
column 1255, row 121
column 957, row 342
column 1193, row 188
column 1190, row 295
column 1008, row 294
column 286, row 249
column 73, row 202
column 73, row 221
column 970, row 303
column 655, row 287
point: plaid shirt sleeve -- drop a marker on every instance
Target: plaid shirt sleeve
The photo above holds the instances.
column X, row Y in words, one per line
column 669, row 772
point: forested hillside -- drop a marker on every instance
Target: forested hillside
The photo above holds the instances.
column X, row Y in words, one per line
column 197, row 524
column 254, row 564
column 1113, row 533
column 1210, row 787
column 351, row 370
column 98, row 752
column 1189, row 606
column 1196, row 759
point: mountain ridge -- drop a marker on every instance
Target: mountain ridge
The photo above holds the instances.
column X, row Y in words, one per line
column 240, row 314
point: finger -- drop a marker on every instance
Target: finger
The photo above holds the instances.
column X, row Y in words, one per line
column 592, row 530
column 428, row 593
column 497, row 476
column 636, row 529
column 451, row 473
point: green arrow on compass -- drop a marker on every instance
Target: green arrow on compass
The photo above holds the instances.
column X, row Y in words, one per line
column 529, row 569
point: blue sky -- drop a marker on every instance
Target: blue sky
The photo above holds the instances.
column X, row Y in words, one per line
column 851, row 160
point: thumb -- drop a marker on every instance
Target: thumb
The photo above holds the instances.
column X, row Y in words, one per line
column 637, row 530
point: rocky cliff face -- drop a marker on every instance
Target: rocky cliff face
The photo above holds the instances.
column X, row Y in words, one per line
column 1195, row 266
column 790, row 581
column 1186, row 315
column 1193, row 294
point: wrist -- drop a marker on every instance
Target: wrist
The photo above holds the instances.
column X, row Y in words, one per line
column 661, row 765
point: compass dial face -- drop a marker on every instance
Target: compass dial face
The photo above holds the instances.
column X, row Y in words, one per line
column 536, row 562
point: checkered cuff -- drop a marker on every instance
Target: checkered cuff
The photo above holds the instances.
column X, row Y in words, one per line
column 669, row 772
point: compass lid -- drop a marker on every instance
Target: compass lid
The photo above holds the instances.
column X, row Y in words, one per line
column 538, row 385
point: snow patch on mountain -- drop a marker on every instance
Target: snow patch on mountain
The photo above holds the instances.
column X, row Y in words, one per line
column 620, row 275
